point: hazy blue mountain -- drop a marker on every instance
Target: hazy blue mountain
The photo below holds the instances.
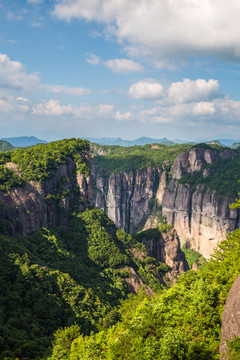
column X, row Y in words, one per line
column 22, row 141
column 228, row 142
column 122, row 142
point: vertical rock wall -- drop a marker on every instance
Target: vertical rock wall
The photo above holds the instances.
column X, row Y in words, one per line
column 201, row 218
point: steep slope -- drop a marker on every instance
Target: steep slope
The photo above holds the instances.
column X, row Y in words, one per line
column 63, row 262
column 40, row 185
column 190, row 189
column 183, row 322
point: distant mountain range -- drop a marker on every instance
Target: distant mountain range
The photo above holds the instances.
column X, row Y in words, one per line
column 140, row 141
column 147, row 140
column 22, row 141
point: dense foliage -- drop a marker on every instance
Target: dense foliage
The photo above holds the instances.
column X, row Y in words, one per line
column 119, row 158
column 222, row 173
column 5, row 146
column 182, row 322
column 61, row 277
column 40, row 162
column 193, row 257
column 8, row 179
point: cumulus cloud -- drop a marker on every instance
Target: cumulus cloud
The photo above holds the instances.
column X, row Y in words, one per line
column 204, row 108
column 146, row 89
column 12, row 104
column 194, row 90
column 166, row 27
column 51, row 108
column 123, row 66
column 93, row 59
column 14, row 76
column 83, row 111
column 127, row 116
column 63, row 89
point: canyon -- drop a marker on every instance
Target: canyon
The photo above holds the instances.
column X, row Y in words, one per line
column 201, row 217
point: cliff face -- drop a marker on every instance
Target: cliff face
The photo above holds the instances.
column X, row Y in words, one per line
column 126, row 196
column 230, row 319
column 201, row 217
column 26, row 209
column 166, row 249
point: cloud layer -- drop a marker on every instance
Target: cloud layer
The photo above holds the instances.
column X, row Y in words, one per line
column 166, row 27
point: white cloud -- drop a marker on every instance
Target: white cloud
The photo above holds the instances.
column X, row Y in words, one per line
column 83, row 111
column 166, row 27
column 13, row 75
column 51, row 108
column 146, row 89
column 63, row 89
column 12, row 104
column 193, row 90
column 123, row 66
column 204, row 108
column 127, row 116
column 93, row 59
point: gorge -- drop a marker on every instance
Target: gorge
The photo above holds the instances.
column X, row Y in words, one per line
column 200, row 215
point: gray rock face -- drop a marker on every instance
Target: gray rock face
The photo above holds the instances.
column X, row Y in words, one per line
column 167, row 250
column 126, row 196
column 202, row 219
column 27, row 208
column 230, row 318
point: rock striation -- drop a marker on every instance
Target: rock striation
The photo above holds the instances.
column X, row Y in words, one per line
column 26, row 209
column 126, row 196
column 201, row 217
column 166, row 249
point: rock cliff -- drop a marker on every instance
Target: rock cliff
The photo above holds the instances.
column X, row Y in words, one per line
column 230, row 318
column 126, row 196
column 201, row 217
column 26, row 209
column 166, row 248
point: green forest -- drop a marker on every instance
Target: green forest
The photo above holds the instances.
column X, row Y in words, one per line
column 65, row 293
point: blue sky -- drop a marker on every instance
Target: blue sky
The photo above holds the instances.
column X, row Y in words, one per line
column 120, row 68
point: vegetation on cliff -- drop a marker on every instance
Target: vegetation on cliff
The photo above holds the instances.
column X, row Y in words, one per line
column 40, row 162
column 182, row 322
column 59, row 277
column 221, row 173
column 132, row 158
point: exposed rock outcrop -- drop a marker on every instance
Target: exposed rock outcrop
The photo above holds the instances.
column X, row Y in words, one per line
column 166, row 249
column 230, row 318
column 201, row 217
column 26, row 209
column 126, row 196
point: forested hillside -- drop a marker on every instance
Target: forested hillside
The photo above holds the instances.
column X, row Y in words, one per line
column 65, row 267
column 183, row 322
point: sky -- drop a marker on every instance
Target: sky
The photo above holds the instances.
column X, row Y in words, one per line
column 120, row 68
